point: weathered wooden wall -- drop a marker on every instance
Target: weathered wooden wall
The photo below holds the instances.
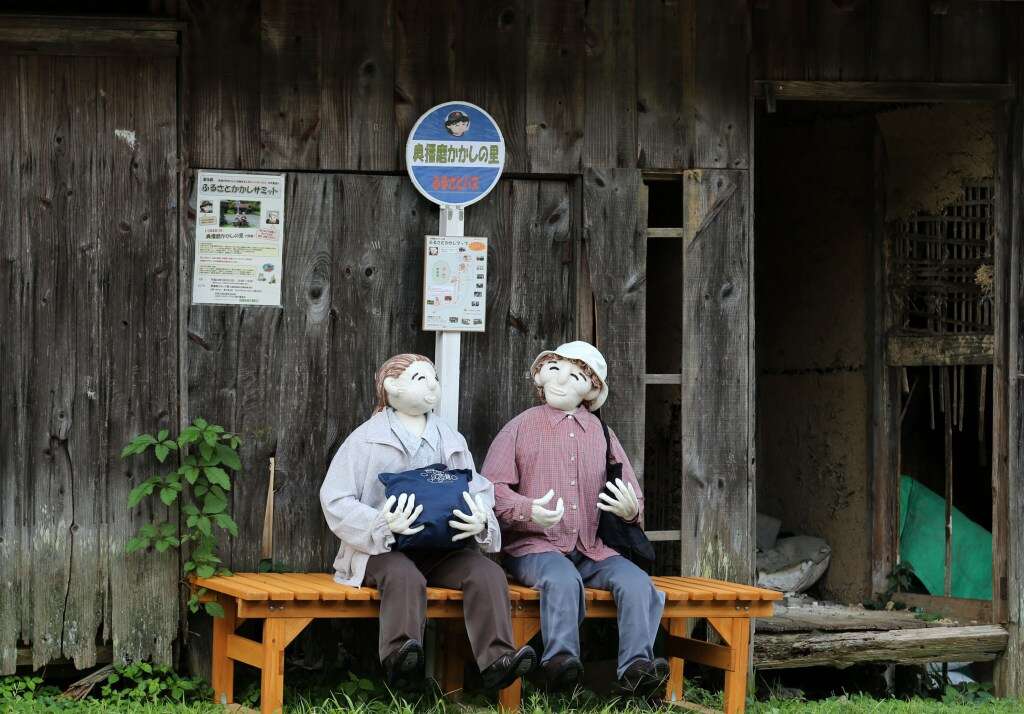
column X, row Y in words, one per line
column 89, row 347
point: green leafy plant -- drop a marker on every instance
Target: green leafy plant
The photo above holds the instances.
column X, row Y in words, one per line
column 24, row 688
column 200, row 485
column 154, row 684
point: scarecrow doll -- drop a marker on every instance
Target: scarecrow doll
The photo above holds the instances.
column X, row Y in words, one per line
column 557, row 452
column 400, row 543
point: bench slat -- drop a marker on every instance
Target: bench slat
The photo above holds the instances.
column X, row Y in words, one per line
column 256, row 580
column 328, row 590
column 303, row 590
column 746, row 592
column 235, row 588
column 682, row 590
column 717, row 593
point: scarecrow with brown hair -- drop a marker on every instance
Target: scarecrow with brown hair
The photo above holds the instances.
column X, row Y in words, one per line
column 403, row 442
column 557, row 452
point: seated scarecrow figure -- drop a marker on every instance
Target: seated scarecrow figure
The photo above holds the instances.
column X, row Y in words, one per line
column 424, row 533
column 558, row 451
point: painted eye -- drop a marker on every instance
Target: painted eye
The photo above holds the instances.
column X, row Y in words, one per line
column 576, row 377
column 554, row 367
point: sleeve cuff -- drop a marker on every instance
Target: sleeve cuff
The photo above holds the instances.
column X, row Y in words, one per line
column 522, row 510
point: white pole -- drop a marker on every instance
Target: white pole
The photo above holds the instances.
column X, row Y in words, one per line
column 448, row 345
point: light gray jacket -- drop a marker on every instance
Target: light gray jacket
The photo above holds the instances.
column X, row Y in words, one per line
column 352, row 496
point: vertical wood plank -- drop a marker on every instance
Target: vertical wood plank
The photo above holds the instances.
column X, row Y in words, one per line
column 554, row 86
column 15, row 284
column 971, row 42
column 721, row 84
column 782, row 39
column 530, row 300
column 139, row 316
column 663, row 129
column 59, row 126
column 1010, row 680
column 358, row 87
column 610, row 84
column 900, row 42
column 489, row 68
column 615, row 235
column 305, row 332
column 290, row 68
column 223, row 66
column 716, row 395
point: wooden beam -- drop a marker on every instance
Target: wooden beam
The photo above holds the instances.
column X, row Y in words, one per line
column 799, row 90
column 959, row 609
column 663, row 535
column 690, row 650
column 663, row 379
column 945, row 350
column 665, row 232
column 979, row 643
column 30, row 35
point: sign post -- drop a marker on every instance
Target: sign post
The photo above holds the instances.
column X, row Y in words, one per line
column 455, row 154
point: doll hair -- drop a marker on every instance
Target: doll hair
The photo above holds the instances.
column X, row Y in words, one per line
column 393, row 368
column 595, row 381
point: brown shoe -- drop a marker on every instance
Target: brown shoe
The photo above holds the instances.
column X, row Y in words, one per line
column 561, row 673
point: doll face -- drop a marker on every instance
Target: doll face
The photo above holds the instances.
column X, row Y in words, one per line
column 414, row 392
column 565, row 385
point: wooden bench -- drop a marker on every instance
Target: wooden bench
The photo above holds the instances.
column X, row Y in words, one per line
column 288, row 602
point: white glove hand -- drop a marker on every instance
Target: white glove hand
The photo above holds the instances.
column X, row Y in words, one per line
column 402, row 513
column 470, row 523
column 545, row 517
column 622, row 501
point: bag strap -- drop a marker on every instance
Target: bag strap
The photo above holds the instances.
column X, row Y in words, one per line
column 608, row 458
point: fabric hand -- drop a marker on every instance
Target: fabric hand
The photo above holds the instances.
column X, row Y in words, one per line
column 470, row 523
column 622, row 502
column 404, row 514
column 545, row 517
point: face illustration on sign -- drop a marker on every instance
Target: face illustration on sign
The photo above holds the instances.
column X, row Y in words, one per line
column 455, row 154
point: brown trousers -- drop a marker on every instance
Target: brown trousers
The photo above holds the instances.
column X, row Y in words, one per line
column 402, row 579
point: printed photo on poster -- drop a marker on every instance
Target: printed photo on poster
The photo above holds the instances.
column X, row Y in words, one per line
column 454, row 284
column 239, row 239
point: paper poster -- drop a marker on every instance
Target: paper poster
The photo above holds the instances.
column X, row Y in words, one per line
column 455, row 284
column 239, row 239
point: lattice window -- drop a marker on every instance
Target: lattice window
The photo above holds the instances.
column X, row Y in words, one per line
column 940, row 267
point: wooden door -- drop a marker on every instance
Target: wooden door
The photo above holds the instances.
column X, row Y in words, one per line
column 88, row 226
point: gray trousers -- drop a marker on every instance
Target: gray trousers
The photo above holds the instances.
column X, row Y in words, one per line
column 402, row 579
column 561, row 579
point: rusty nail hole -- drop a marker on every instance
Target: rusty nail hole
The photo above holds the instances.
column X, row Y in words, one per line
column 369, row 272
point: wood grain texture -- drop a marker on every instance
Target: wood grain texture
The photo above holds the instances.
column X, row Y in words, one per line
column 357, row 92
column 615, row 240
column 139, row 296
column 717, row 487
column 15, row 284
column 223, row 73
column 290, row 76
column 554, row 86
column 302, row 399
column 664, row 78
column 610, row 84
column 721, row 81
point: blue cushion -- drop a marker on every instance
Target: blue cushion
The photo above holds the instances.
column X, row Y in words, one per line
column 439, row 490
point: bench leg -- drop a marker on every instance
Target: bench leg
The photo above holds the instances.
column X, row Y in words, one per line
column 736, row 633
column 523, row 628
column 453, row 647
column 272, row 672
column 223, row 669
column 674, row 690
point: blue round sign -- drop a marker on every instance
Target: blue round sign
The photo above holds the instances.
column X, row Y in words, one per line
column 455, row 154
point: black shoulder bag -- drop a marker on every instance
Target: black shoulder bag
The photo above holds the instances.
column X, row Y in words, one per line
column 628, row 539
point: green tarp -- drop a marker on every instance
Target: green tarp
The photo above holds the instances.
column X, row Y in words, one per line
column 923, row 544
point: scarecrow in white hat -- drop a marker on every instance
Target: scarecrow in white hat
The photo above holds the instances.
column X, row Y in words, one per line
column 548, row 466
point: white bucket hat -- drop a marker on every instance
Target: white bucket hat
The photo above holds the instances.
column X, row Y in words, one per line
column 588, row 355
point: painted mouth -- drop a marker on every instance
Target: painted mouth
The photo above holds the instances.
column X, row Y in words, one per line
column 430, row 398
column 556, row 391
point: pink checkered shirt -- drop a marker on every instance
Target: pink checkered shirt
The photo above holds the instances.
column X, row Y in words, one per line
column 544, row 448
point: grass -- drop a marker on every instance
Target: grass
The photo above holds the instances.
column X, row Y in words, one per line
column 339, row 704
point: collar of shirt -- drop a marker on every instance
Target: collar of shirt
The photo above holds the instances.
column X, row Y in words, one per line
column 579, row 415
column 410, row 443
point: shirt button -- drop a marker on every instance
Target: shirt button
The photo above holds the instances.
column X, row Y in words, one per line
column 572, row 435
column 572, row 458
column 572, row 483
column 574, row 506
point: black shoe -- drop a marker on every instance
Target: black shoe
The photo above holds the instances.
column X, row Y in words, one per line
column 508, row 668
column 561, row 673
column 403, row 668
column 643, row 678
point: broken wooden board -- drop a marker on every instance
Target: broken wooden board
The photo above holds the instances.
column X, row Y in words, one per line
column 810, row 616
column 977, row 643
